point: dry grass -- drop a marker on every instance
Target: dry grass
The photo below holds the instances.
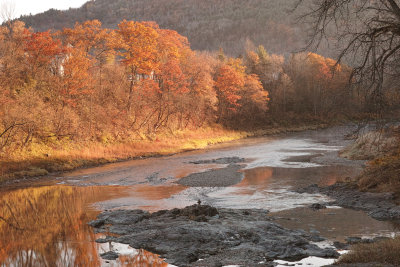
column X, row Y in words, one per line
column 42, row 159
column 371, row 145
column 382, row 148
column 384, row 252
column 382, row 174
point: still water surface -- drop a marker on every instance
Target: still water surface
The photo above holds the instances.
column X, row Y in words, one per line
column 47, row 225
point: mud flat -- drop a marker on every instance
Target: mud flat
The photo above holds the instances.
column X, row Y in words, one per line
column 200, row 235
column 214, row 178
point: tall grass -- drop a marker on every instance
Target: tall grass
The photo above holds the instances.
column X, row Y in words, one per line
column 44, row 159
column 383, row 252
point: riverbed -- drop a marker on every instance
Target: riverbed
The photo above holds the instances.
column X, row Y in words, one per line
column 46, row 224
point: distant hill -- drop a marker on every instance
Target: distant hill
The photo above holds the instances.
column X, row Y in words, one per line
column 209, row 24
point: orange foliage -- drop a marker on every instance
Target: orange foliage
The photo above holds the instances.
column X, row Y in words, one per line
column 76, row 79
column 325, row 68
column 88, row 35
column 171, row 44
column 41, row 48
column 255, row 93
column 136, row 43
column 228, row 84
column 173, row 79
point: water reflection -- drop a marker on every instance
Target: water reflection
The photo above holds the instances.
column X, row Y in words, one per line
column 143, row 258
column 152, row 192
column 130, row 256
column 148, row 197
column 47, row 226
column 335, row 223
column 258, row 177
column 273, row 188
column 302, row 177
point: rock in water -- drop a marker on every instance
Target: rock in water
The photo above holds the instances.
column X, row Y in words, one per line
column 110, row 255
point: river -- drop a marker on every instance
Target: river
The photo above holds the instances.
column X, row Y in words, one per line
column 45, row 224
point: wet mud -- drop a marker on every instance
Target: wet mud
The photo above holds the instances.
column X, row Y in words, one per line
column 200, row 235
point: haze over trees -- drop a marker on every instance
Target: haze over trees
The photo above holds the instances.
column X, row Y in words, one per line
column 208, row 24
column 369, row 33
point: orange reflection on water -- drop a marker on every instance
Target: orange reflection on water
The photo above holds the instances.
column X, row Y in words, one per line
column 154, row 192
column 47, row 226
column 142, row 259
column 255, row 179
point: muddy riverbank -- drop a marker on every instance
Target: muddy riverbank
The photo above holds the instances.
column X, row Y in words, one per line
column 201, row 235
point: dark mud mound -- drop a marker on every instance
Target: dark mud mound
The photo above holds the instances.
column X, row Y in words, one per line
column 201, row 235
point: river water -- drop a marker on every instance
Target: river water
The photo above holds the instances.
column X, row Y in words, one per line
column 46, row 224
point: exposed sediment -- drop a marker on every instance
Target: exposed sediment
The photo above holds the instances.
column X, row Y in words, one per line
column 223, row 177
column 201, row 235
column 227, row 160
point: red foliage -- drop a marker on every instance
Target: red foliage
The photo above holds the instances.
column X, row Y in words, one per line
column 228, row 84
column 41, row 48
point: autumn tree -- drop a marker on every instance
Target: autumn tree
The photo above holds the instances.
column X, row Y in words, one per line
column 41, row 51
column 227, row 85
column 89, row 36
column 92, row 39
column 253, row 103
column 269, row 69
column 239, row 93
column 136, row 44
column 13, row 83
column 173, row 82
column 201, row 99
column 319, row 84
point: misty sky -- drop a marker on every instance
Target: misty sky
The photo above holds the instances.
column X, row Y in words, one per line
column 26, row 7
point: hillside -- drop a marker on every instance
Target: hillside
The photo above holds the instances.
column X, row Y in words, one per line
column 209, row 24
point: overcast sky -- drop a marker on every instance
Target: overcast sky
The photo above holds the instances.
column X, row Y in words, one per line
column 26, row 7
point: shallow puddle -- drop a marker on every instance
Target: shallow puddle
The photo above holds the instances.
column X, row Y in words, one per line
column 335, row 224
